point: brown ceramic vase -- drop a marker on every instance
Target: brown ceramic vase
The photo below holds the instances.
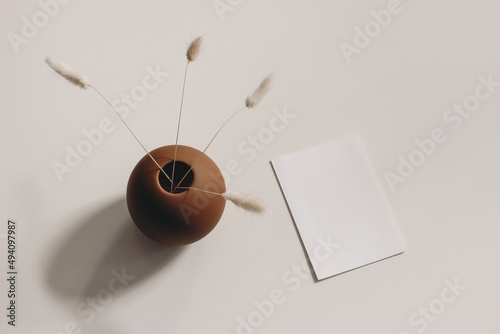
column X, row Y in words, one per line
column 183, row 216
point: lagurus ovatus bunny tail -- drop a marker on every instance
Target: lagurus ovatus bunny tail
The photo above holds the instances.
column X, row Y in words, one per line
column 73, row 76
column 261, row 91
column 245, row 201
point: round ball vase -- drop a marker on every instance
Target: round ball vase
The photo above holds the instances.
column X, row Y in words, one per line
column 185, row 215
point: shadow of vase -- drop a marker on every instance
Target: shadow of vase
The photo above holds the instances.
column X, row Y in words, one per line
column 105, row 248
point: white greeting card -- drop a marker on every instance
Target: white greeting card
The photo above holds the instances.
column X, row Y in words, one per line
column 338, row 207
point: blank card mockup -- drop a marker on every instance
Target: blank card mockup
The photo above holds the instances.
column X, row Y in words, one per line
column 338, row 207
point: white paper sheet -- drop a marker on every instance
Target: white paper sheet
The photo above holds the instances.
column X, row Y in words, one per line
column 338, row 207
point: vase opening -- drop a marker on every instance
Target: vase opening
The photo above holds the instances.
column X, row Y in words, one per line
column 180, row 170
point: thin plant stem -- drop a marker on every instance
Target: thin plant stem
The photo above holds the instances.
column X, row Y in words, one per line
column 179, row 126
column 121, row 118
column 198, row 189
column 202, row 153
